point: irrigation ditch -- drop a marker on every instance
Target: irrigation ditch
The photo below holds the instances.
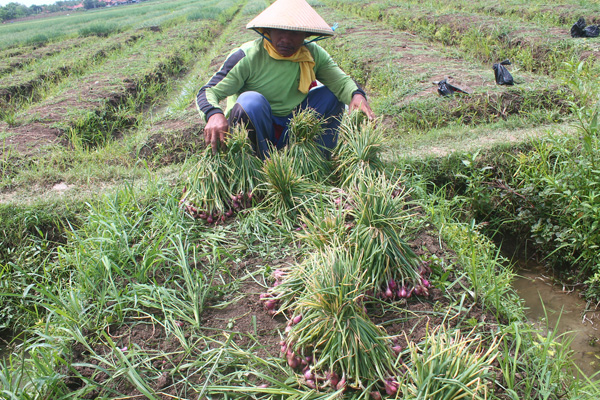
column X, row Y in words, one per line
column 560, row 307
column 555, row 291
column 121, row 287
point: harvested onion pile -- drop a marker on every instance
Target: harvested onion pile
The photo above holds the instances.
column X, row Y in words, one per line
column 221, row 184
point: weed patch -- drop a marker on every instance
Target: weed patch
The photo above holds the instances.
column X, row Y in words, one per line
column 100, row 30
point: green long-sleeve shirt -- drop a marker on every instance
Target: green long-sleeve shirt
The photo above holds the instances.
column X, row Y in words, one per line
column 250, row 68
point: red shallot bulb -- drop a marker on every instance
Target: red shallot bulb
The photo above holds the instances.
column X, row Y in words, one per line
column 391, row 386
column 375, row 395
column 402, row 292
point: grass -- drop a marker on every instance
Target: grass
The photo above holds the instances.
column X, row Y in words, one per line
column 523, row 191
column 535, row 11
column 96, row 123
column 404, row 82
column 154, row 13
column 49, row 67
column 124, row 261
column 485, row 38
column 131, row 241
column 448, row 140
column 112, row 163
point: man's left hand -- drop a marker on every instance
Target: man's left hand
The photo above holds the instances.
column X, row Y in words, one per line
column 359, row 102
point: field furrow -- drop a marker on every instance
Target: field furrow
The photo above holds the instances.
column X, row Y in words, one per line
column 97, row 105
column 107, row 21
column 30, row 83
column 176, row 133
column 14, row 59
column 559, row 13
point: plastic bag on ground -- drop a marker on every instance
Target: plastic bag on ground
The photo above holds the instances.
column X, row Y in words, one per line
column 579, row 30
column 447, row 89
column 592, row 31
column 503, row 77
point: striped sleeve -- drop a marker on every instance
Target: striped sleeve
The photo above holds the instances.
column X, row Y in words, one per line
column 207, row 99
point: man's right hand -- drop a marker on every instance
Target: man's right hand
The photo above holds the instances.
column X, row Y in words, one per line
column 215, row 131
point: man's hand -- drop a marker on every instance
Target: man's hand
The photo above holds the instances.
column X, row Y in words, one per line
column 359, row 102
column 215, row 131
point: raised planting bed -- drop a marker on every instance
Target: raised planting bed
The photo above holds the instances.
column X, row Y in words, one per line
column 17, row 58
column 28, row 84
column 559, row 15
column 91, row 109
column 402, row 81
column 177, row 133
column 490, row 39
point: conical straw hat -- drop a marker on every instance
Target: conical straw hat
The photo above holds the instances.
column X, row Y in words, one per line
column 291, row 15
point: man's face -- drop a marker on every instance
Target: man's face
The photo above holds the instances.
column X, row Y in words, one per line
column 287, row 42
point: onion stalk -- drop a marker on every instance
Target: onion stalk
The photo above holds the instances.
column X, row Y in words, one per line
column 357, row 155
column 334, row 328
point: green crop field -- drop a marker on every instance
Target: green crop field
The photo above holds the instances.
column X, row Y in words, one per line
column 137, row 264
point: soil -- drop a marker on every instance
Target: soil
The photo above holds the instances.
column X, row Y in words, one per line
column 96, row 93
column 18, row 60
column 50, row 127
column 22, row 85
column 31, row 139
column 24, row 138
column 246, row 318
column 172, row 141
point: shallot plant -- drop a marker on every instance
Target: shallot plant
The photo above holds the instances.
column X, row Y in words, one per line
column 221, row 184
column 331, row 336
column 304, row 130
column 326, row 226
column 450, row 365
column 208, row 193
column 290, row 283
column 245, row 165
column 379, row 217
column 357, row 155
column 287, row 193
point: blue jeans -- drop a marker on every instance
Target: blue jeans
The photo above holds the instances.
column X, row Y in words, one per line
column 265, row 129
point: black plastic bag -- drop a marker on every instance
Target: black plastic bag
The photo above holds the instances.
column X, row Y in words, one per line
column 503, row 77
column 592, row 31
column 446, row 89
column 579, row 30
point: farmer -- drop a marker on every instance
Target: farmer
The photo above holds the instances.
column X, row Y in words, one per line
column 266, row 80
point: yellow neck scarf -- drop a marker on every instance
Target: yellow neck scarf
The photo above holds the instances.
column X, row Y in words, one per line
column 302, row 57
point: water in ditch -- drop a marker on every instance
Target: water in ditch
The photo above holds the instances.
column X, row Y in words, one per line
column 547, row 301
